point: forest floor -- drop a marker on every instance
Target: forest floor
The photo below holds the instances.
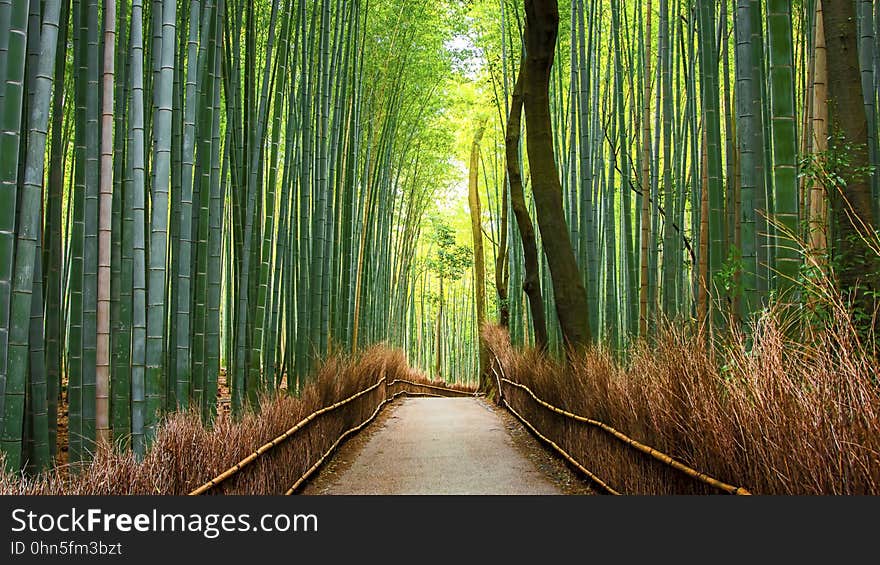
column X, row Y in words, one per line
column 445, row 446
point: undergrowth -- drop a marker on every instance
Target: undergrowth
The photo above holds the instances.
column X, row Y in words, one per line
column 786, row 410
column 186, row 454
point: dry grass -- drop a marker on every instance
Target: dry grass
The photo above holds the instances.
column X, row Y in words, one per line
column 185, row 454
column 780, row 417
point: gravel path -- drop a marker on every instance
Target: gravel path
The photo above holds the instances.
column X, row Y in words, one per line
column 445, row 446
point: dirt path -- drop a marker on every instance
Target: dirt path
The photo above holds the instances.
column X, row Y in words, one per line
column 445, row 446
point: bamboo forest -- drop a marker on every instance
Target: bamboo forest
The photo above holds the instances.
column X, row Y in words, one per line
column 646, row 229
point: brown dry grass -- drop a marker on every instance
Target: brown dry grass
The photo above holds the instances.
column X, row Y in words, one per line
column 186, row 454
column 780, row 417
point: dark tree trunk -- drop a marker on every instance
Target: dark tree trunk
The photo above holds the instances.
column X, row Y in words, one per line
column 438, row 343
column 501, row 271
column 541, row 29
column 532, row 281
column 479, row 257
column 859, row 269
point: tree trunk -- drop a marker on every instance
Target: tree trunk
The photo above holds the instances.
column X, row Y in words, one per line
column 703, row 273
column 532, row 280
column 502, row 275
column 853, row 217
column 479, row 257
column 438, row 361
column 818, row 227
column 541, row 29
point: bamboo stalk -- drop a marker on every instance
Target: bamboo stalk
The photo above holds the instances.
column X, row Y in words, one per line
column 105, row 222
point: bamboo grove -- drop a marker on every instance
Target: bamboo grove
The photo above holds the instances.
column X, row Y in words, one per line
column 714, row 157
column 195, row 194
column 201, row 196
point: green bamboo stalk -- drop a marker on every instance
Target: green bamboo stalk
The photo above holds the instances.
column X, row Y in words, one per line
column 611, row 309
column 27, row 277
column 709, row 88
column 203, row 171
column 52, row 232
column 670, row 245
column 172, row 295
column 783, row 123
column 303, row 338
column 184, row 250
column 321, row 186
column 244, row 367
column 92, row 135
column 120, row 275
column 137, row 188
column 751, row 177
column 39, row 457
column 587, row 229
column 215, row 238
column 12, row 77
column 157, row 268
column 77, row 236
column 629, row 270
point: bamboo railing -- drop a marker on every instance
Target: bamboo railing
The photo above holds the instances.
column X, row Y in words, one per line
column 341, row 438
column 434, row 387
column 620, row 436
column 268, row 446
column 561, row 451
